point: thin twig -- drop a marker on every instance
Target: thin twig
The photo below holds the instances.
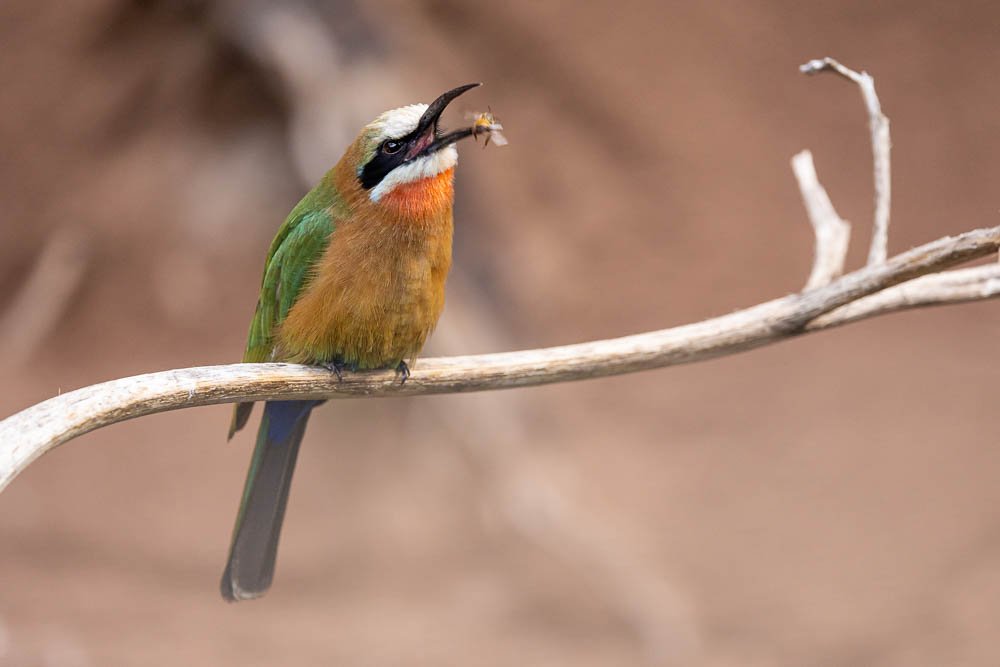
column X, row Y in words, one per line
column 950, row 287
column 831, row 231
column 878, row 124
column 28, row 434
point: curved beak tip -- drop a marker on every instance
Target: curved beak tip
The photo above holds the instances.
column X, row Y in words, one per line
column 461, row 89
column 435, row 108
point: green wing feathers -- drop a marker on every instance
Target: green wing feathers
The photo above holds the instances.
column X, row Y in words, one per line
column 288, row 269
column 296, row 248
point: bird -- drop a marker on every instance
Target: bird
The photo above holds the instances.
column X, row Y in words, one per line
column 354, row 280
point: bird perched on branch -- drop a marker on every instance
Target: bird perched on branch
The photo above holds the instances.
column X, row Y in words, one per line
column 354, row 280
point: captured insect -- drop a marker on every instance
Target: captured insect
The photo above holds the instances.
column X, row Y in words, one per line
column 486, row 123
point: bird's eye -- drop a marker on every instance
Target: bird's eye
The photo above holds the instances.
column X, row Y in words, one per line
column 391, row 147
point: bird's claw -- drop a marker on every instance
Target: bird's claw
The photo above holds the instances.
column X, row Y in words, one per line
column 337, row 368
column 403, row 370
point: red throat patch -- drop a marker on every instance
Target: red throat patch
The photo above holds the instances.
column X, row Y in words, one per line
column 428, row 196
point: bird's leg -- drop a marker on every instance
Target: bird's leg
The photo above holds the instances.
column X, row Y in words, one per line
column 403, row 370
column 336, row 367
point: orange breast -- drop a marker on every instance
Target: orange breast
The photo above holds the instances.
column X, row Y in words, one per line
column 378, row 290
column 428, row 196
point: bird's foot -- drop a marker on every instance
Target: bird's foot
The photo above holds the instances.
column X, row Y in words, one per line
column 403, row 370
column 337, row 367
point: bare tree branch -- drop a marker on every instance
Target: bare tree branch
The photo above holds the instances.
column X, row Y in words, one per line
column 951, row 287
column 909, row 280
column 879, row 126
column 832, row 233
column 28, row 434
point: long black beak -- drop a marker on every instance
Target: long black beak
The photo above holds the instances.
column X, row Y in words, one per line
column 428, row 122
column 436, row 107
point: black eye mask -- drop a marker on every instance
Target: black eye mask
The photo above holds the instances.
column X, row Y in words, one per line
column 382, row 163
column 425, row 139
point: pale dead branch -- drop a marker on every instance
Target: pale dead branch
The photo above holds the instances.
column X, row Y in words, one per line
column 878, row 124
column 908, row 280
column 949, row 287
column 832, row 233
column 28, row 434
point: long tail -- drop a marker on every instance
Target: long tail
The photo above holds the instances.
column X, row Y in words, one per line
column 258, row 525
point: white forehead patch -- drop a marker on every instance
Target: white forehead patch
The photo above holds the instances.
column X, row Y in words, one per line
column 419, row 169
column 399, row 122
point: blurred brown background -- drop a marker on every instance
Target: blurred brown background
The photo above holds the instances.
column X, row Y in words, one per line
column 828, row 501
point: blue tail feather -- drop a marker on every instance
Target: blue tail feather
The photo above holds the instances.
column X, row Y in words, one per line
column 282, row 416
column 254, row 548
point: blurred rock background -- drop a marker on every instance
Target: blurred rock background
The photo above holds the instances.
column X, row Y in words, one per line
column 829, row 501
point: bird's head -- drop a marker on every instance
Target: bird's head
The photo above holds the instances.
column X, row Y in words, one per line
column 406, row 145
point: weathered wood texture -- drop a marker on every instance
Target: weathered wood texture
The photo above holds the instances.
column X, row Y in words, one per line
column 862, row 294
column 912, row 279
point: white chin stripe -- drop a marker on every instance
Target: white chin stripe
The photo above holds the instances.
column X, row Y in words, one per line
column 417, row 170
